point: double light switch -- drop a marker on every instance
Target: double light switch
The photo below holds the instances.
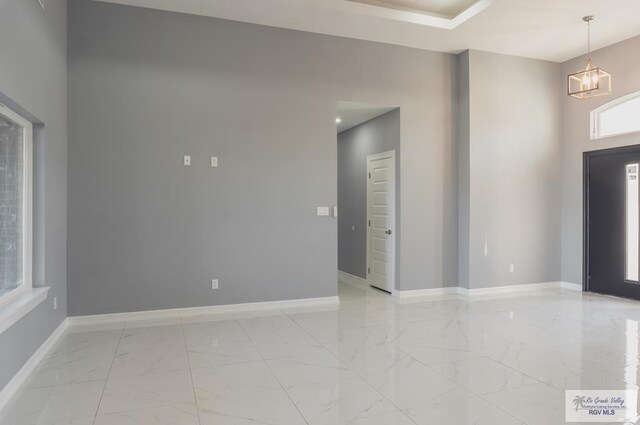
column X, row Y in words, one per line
column 326, row 211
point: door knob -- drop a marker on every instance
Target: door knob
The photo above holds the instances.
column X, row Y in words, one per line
column 388, row 232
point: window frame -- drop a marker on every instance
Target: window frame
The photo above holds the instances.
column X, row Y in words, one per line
column 628, row 219
column 596, row 113
column 27, row 236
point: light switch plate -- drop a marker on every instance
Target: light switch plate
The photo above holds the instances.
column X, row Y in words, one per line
column 335, row 212
column 187, row 160
column 214, row 284
column 214, row 161
column 323, row 212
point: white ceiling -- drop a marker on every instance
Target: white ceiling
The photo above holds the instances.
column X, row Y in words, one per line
column 543, row 29
column 353, row 113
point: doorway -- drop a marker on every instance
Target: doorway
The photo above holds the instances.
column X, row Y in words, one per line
column 368, row 138
column 612, row 222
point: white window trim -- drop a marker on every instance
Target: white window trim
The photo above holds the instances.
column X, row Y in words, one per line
column 631, row 239
column 20, row 305
column 595, row 117
column 27, row 271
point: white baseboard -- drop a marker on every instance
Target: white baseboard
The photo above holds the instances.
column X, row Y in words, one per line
column 571, row 286
column 200, row 311
column 516, row 289
column 422, row 293
column 352, row 280
column 16, row 382
column 464, row 292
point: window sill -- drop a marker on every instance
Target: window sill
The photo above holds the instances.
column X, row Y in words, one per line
column 17, row 308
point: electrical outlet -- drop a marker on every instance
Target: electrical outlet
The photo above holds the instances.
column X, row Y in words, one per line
column 187, row 160
column 55, row 303
column 214, row 284
column 512, row 268
column 214, row 161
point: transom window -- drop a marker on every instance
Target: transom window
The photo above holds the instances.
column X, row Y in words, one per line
column 622, row 116
column 15, row 204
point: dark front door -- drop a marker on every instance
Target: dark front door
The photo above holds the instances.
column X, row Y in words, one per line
column 613, row 221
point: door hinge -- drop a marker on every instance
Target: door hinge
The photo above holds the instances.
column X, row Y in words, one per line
column 369, row 175
column 369, row 270
column 369, row 223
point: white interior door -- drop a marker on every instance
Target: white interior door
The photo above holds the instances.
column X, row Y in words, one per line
column 381, row 207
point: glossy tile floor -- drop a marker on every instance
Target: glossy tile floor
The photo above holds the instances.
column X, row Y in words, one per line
column 373, row 361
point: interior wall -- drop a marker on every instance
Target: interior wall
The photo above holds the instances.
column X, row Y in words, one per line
column 147, row 87
column 514, row 167
column 378, row 135
column 33, row 82
column 576, row 140
column 463, row 151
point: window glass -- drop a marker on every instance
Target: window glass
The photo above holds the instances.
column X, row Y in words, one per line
column 12, row 198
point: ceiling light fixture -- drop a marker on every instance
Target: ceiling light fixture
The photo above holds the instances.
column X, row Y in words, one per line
column 591, row 82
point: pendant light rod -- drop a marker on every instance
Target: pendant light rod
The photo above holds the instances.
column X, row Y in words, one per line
column 588, row 20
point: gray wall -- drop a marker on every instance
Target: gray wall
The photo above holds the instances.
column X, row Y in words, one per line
column 33, row 81
column 378, row 135
column 514, row 150
column 147, row 87
column 622, row 61
column 463, row 151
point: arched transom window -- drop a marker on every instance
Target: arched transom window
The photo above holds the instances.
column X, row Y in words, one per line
column 622, row 116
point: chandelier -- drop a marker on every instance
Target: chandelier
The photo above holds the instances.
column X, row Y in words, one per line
column 592, row 81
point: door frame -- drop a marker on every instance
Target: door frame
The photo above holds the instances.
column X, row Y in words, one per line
column 392, row 155
column 586, row 156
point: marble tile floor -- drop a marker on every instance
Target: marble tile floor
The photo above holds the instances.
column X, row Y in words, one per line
column 371, row 361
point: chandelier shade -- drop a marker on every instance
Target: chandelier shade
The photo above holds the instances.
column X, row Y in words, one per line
column 591, row 82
